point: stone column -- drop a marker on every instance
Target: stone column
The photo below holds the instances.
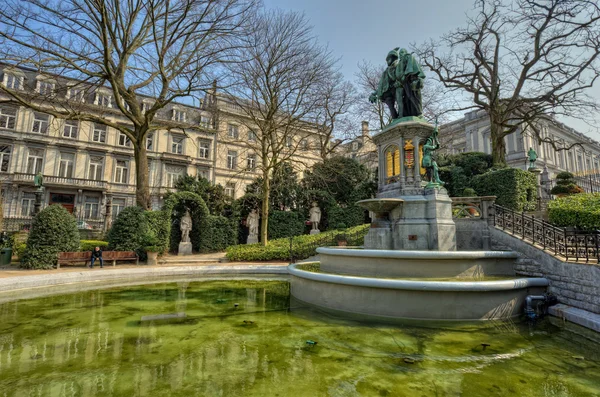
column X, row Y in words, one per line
column 381, row 169
column 416, row 142
column 108, row 212
column 37, row 206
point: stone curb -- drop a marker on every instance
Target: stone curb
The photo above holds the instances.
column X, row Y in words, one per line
column 47, row 280
column 578, row 316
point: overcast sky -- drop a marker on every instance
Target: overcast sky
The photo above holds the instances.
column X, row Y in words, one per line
column 368, row 29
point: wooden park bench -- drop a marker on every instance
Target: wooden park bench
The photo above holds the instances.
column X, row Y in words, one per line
column 108, row 256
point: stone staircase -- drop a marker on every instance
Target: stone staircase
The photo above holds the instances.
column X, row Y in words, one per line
column 523, row 266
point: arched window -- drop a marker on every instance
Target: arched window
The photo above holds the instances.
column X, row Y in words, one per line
column 392, row 157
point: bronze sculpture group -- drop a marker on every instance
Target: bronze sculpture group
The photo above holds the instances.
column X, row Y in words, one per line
column 400, row 89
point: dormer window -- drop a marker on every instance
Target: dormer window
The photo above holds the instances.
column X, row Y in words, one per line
column 13, row 81
column 179, row 115
column 76, row 94
column 45, row 87
column 103, row 99
column 146, row 107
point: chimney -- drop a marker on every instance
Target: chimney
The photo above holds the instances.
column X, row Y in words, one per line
column 365, row 128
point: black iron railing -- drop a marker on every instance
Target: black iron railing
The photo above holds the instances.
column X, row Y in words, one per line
column 573, row 245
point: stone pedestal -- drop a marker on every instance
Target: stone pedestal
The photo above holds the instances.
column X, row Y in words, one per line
column 185, row 249
column 252, row 239
column 315, row 231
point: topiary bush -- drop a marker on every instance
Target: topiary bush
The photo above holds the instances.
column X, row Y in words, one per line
column 580, row 210
column 53, row 230
column 222, row 233
column 565, row 184
column 285, row 223
column 303, row 246
column 514, row 188
column 128, row 231
column 89, row 245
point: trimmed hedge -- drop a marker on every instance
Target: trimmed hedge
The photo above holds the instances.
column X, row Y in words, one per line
column 221, row 233
column 514, row 188
column 89, row 245
column 303, row 246
column 129, row 231
column 579, row 210
column 284, row 223
column 53, row 230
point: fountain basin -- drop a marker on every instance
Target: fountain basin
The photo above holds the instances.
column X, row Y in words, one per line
column 385, row 299
column 427, row 264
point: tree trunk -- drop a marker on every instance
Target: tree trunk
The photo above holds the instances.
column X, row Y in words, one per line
column 264, row 220
column 142, row 187
column 498, row 144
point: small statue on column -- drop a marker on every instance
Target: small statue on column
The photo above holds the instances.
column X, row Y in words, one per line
column 315, row 218
column 532, row 157
column 38, row 181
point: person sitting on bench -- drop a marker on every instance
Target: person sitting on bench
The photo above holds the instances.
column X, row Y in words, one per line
column 96, row 254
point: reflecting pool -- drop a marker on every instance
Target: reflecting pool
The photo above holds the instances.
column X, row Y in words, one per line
column 240, row 338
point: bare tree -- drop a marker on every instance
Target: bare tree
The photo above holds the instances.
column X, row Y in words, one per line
column 435, row 104
column 277, row 88
column 165, row 49
column 521, row 60
column 332, row 116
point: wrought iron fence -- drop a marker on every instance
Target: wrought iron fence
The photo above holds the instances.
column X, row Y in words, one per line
column 573, row 245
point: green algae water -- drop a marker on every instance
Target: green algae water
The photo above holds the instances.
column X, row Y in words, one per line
column 240, row 338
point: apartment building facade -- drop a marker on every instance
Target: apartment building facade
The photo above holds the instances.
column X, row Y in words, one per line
column 89, row 168
column 472, row 134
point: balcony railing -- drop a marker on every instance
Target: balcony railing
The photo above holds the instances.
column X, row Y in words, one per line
column 61, row 181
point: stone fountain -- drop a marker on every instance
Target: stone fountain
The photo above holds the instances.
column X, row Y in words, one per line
column 409, row 267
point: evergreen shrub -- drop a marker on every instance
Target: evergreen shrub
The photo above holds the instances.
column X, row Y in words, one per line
column 565, row 184
column 53, row 230
column 128, row 231
column 222, row 233
column 285, row 223
column 160, row 227
column 344, row 217
column 579, row 210
column 514, row 188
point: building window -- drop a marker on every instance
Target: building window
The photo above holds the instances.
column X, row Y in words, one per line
column 204, row 148
column 579, row 163
column 232, row 160
column 203, row 173
column 104, row 100
column 13, row 82
column 251, row 162
column 146, row 107
column 123, row 140
column 117, row 206
column 91, row 207
column 99, row 133
column 122, row 172
column 40, row 123
column 179, row 115
column 76, row 94
column 96, row 168
column 205, row 122
column 150, row 142
column 71, row 129
column 289, row 141
column 5, row 151
column 8, row 117
column 35, row 158
column 65, row 169
column 304, row 144
column 45, row 87
column 177, row 144
column 354, row 146
column 173, row 175
column 230, row 189
column 232, row 131
column 27, row 204
column 252, row 136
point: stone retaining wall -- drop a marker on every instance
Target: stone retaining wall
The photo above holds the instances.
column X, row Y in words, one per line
column 575, row 284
